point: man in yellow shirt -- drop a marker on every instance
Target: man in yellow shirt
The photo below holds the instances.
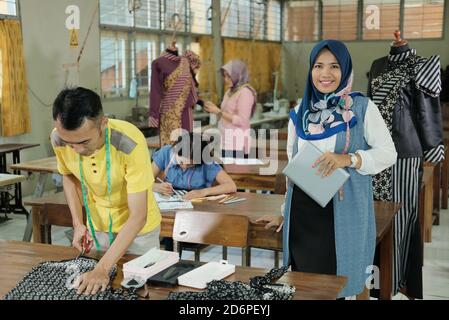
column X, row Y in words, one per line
column 106, row 166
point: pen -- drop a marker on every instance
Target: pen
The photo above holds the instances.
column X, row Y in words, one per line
column 228, row 197
column 162, row 181
column 234, row 200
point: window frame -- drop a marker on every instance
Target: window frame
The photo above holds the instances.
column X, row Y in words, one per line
column 360, row 16
column 11, row 16
column 184, row 37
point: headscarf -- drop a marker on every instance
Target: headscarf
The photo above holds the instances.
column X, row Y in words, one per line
column 238, row 72
column 323, row 115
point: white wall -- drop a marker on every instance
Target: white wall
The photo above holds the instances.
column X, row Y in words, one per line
column 46, row 47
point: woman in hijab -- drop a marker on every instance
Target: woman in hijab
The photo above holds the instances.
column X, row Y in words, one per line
column 348, row 128
column 237, row 108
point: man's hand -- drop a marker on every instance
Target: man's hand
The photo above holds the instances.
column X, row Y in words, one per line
column 195, row 194
column 78, row 234
column 329, row 162
column 93, row 281
column 272, row 221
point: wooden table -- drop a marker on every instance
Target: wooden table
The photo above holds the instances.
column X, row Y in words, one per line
column 253, row 177
column 44, row 167
column 8, row 179
column 18, row 258
column 256, row 205
column 281, row 144
column 15, row 149
column 6, row 182
column 259, row 177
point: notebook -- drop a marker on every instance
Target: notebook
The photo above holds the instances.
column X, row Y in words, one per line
column 300, row 171
column 174, row 202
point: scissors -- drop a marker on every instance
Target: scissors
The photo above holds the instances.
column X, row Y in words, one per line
column 86, row 244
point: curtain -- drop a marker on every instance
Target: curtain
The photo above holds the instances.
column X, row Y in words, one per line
column 261, row 58
column 14, row 109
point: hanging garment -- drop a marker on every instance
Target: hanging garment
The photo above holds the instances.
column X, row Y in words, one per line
column 406, row 89
column 260, row 288
column 53, row 280
column 173, row 93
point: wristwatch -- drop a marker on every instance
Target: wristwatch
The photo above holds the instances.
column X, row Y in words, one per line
column 354, row 160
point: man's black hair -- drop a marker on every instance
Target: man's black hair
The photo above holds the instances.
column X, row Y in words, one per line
column 73, row 105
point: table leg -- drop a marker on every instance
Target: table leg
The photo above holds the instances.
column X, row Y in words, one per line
column 445, row 179
column 36, row 226
column 2, row 162
column 18, row 186
column 38, row 192
column 386, row 265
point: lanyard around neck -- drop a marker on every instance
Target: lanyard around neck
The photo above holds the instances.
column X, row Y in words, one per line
column 84, row 190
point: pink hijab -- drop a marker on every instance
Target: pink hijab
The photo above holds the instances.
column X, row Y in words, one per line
column 238, row 72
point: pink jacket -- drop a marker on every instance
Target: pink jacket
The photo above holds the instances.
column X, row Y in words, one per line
column 235, row 135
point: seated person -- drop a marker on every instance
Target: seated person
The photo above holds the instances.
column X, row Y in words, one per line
column 188, row 164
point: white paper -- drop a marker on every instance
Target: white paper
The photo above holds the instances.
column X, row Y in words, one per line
column 228, row 160
column 249, row 162
column 166, row 206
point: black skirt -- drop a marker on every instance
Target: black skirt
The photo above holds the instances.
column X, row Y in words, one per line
column 312, row 237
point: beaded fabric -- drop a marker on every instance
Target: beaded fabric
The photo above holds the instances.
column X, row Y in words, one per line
column 53, row 280
column 260, row 288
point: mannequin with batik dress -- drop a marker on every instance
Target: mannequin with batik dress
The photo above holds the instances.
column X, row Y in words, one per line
column 173, row 93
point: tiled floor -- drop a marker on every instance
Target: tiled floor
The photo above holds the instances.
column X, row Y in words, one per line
column 436, row 254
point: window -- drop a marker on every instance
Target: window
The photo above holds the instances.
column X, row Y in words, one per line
column 134, row 32
column 301, row 20
column 175, row 15
column 274, row 21
column 148, row 15
column 235, row 18
column 145, row 51
column 380, row 19
column 362, row 19
column 423, row 19
column 115, row 12
column 250, row 19
column 113, row 52
column 340, row 19
column 201, row 16
column 8, row 7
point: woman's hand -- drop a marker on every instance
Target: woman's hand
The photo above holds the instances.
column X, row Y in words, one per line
column 329, row 162
column 194, row 194
column 210, row 107
column 163, row 188
column 272, row 221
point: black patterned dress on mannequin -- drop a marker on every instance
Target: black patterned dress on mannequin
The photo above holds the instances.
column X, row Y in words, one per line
column 406, row 88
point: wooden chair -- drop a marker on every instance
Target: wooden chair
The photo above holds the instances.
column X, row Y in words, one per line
column 212, row 229
column 57, row 215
